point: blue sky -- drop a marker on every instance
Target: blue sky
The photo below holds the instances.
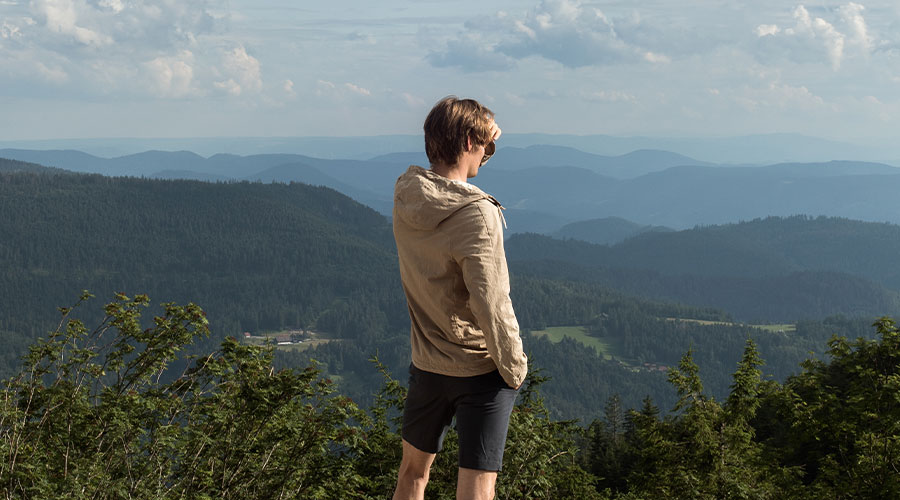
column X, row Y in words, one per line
column 202, row 68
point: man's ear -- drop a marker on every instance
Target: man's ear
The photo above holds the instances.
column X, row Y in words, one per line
column 468, row 143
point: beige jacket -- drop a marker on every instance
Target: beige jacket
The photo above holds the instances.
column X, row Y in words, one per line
column 453, row 268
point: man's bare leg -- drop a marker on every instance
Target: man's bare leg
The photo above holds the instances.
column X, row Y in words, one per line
column 413, row 474
column 474, row 484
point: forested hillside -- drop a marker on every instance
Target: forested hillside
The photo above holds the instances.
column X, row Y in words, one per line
column 774, row 269
column 257, row 256
column 7, row 165
column 264, row 258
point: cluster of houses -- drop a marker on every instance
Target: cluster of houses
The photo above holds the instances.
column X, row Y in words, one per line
column 297, row 336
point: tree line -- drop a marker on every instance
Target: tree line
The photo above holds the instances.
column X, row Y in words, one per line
column 88, row 415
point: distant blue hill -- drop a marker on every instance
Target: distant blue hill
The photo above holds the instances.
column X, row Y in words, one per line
column 527, row 221
column 627, row 166
column 7, row 165
column 369, row 182
column 684, row 196
column 307, row 174
column 750, row 149
column 605, row 231
column 630, row 165
column 417, row 158
column 75, row 161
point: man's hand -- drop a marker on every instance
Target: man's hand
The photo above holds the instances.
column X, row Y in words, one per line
column 495, row 131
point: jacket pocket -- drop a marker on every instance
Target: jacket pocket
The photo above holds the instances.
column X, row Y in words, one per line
column 464, row 332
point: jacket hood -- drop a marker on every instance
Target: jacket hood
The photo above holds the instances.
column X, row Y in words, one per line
column 423, row 199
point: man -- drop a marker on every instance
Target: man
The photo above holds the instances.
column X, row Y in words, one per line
column 467, row 358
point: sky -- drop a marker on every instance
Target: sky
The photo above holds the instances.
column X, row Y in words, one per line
column 263, row 68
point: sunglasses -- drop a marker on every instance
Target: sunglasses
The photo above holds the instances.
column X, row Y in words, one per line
column 489, row 150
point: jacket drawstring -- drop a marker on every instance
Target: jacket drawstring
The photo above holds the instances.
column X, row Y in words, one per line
column 500, row 209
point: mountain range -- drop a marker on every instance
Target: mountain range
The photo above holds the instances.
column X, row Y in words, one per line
column 546, row 187
column 752, row 149
column 265, row 257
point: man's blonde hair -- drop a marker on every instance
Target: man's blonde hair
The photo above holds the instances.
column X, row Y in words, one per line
column 450, row 123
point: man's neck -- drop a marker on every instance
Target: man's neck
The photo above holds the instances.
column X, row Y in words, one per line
column 454, row 172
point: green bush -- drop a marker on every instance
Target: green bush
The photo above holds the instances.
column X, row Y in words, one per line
column 119, row 412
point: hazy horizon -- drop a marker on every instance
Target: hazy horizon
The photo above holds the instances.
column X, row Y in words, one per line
column 750, row 149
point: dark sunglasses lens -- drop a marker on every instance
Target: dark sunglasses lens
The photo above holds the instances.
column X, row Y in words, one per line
column 488, row 152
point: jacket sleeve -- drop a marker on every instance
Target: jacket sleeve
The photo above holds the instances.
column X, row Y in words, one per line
column 478, row 249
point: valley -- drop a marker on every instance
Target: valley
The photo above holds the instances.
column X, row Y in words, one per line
column 260, row 256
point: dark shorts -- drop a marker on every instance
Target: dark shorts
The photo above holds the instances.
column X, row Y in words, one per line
column 482, row 405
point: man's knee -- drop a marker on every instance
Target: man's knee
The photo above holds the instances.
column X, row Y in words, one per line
column 475, row 484
column 415, row 466
column 413, row 472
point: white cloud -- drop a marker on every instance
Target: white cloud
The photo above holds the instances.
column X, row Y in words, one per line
column 10, row 31
column 160, row 48
column 114, row 5
column 544, row 95
column 54, row 75
column 230, row 86
column 171, row 76
column 779, row 97
column 471, row 52
column 870, row 99
column 833, row 39
column 852, row 16
column 242, row 70
column 766, row 30
column 62, row 17
column 656, row 58
column 414, row 102
column 570, row 32
column 812, row 37
column 324, row 88
column 607, row 96
column 357, row 89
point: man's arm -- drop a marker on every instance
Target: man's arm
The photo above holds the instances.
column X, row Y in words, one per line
column 480, row 254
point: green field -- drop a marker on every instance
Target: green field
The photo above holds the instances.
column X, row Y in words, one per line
column 556, row 333
column 776, row 328
column 769, row 328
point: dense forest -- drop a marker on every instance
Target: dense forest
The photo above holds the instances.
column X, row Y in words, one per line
column 771, row 246
column 263, row 258
column 88, row 415
column 772, row 270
